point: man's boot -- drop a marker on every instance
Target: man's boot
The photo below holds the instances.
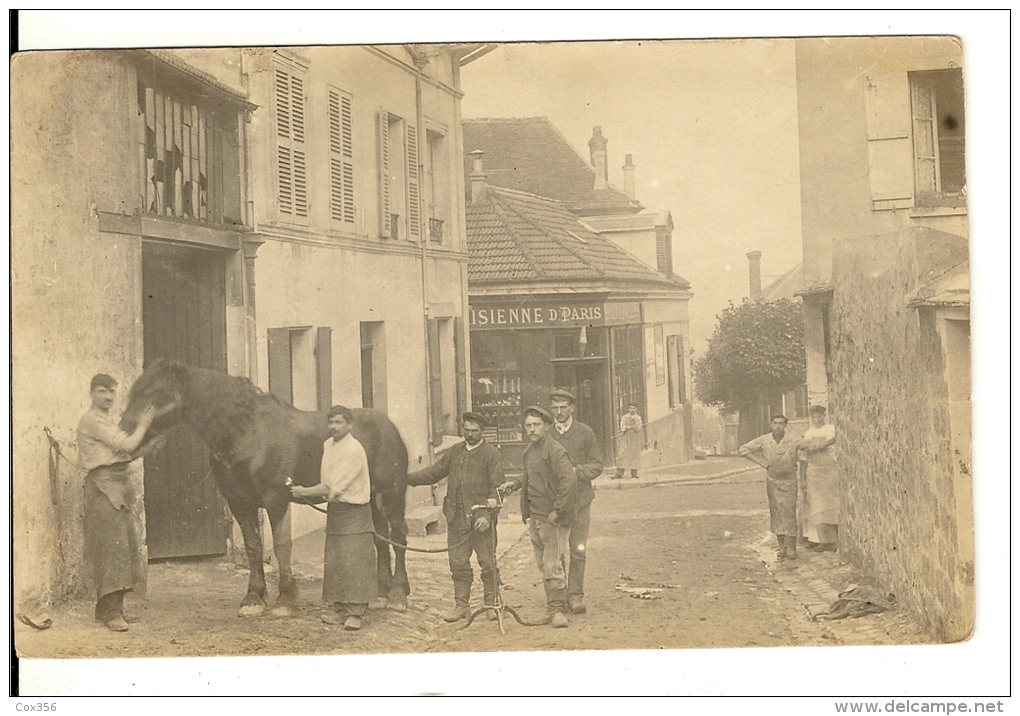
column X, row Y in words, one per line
column 462, row 600
column 557, row 607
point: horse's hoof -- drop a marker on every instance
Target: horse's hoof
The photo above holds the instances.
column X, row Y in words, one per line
column 282, row 611
column 397, row 600
column 379, row 603
column 251, row 610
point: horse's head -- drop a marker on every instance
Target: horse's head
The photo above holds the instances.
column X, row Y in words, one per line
column 161, row 387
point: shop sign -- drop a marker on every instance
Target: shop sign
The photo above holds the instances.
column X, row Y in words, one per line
column 545, row 315
column 623, row 313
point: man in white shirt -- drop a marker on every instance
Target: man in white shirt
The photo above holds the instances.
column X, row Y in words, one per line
column 348, row 579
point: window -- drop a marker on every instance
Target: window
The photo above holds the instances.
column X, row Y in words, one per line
column 675, row 371
column 628, row 368
column 341, row 156
column 189, row 152
column 373, row 365
column 660, row 357
column 301, row 366
column 291, row 153
column 436, row 186
column 937, row 110
column 496, row 386
column 399, row 182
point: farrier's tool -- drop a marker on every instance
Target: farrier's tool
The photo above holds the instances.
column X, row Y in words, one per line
column 497, row 606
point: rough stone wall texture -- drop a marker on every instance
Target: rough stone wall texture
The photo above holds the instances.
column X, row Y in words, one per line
column 891, row 412
column 75, row 292
column 666, row 441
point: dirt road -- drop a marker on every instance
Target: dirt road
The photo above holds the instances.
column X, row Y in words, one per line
column 703, row 545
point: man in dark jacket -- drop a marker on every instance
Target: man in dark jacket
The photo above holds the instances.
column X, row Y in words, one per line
column 475, row 470
column 549, row 501
column 583, row 449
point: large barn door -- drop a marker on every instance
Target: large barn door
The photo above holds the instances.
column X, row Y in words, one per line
column 184, row 318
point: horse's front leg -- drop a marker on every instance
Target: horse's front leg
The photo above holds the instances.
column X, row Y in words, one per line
column 254, row 602
column 279, row 518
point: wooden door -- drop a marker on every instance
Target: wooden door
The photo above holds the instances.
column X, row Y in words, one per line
column 184, row 318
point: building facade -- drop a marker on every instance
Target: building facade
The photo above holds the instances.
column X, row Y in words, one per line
column 643, row 335
column 554, row 304
column 293, row 216
column 887, row 327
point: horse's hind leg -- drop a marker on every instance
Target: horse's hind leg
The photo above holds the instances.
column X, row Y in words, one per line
column 254, row 602
column 279, row 518
column 391, row 517
column 382, row 552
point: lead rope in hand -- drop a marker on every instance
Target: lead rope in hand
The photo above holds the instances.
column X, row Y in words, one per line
column 378, row 536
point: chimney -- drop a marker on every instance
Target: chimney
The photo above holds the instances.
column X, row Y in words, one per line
column 599, row 159
column 754, row 267
column 477, row 177
column 628, row 178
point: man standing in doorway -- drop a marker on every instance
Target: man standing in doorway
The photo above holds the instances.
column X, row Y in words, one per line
column 579, row 441
column 777, row 453
column 549, row 501
column 111, row 541
column 631, row 443
column 475, row 469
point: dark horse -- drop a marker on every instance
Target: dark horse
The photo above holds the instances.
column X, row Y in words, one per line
column 258, row 442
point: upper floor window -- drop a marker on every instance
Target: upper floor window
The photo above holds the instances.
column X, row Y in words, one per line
column 399, row 180
column 437, row 191
column 189, row 151
column 938, row 131
column 291, row 153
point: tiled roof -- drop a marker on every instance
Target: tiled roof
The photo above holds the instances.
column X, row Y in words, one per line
column 786, row 286
column 515, row 236
column 532, row 156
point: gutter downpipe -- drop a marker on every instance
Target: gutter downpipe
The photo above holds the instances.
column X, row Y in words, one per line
column 419, row 117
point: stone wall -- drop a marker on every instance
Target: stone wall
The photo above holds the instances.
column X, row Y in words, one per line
column 890, row 406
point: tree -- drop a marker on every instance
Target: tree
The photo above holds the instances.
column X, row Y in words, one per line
column 755, row 354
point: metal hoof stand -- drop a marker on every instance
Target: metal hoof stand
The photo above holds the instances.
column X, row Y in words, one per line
column 497, row 606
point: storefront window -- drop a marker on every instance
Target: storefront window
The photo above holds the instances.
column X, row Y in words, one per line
column 628, row 369
column 496, row 388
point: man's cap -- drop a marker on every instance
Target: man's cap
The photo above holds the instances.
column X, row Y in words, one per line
column 102, row 380
column 562, row 395
column 477, row 419
column 540, row 412
column 819, row 409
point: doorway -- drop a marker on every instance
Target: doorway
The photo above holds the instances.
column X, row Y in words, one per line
column 587, row 380
column 184, row 318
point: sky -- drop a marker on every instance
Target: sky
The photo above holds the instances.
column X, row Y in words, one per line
column 758, row 196
column 711, row 125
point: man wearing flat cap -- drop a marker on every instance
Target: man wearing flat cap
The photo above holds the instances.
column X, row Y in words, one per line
column 475, row 469
column 583, row 449
column 549, row 500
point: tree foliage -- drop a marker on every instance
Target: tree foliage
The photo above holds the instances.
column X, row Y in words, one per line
column 755, row 353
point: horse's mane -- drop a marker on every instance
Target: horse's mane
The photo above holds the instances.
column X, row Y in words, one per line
column 228, row 404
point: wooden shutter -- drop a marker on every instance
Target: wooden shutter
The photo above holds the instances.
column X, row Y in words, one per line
column 280, row 373
column 291, row 155
column 324, row 367
column 383, row 124
column 347, row 149
column 341, row 156
column 435, row 382
column 890, row 158
column 413, row 184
